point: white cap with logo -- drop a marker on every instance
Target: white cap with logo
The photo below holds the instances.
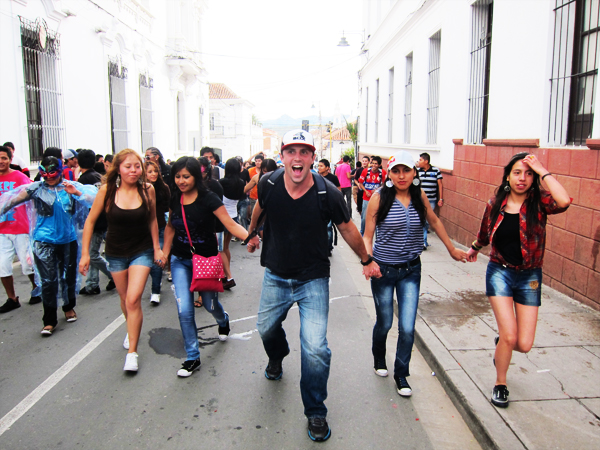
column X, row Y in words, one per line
column 402, row 157
column 297, row 137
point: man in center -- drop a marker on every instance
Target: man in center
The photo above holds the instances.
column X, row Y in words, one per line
column 297, row 268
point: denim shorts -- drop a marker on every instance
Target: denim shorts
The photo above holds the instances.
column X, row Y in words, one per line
column 524, row 286
column 220, row 241
column 118, row 263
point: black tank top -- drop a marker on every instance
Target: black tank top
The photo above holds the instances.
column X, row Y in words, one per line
column 128, row 232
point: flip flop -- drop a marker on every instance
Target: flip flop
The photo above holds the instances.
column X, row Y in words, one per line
column 198, row 303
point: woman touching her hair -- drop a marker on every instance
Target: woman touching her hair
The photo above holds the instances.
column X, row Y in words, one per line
column 514, row 223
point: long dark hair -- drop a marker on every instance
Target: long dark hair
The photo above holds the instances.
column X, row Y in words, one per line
column 206, row 168
column 233, row 168
column 532, row 201
column 193, row 167
column 268, row 165
column 388, row 194
column 161, row 159
column 113, row 174
column 160, row 187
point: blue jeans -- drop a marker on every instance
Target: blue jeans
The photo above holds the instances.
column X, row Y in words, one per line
column 407, row 283
column 156, row 272
column 242, row 208
column 426, row 226
column 363, row 216
column 97, row 262
column 277, row 297
column 181, row 271
column 57, row 265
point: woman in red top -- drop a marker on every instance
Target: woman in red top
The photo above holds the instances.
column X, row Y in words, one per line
column 514, row 222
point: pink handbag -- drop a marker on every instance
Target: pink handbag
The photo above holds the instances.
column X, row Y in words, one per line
column 206, row 272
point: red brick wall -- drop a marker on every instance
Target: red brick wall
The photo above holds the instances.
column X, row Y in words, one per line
column 571, row 262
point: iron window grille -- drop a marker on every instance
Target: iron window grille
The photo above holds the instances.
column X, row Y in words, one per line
column 481, row 49
column 376, row 110
column 391, row 105
column 146, row 111
column 117, row 75
column 43, row 87
column 574, row 71
column 408, row 98
column 433, row 99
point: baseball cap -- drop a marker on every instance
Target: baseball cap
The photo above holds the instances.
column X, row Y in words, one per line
column 402, row 157
column 68, row 154
column 297, row 137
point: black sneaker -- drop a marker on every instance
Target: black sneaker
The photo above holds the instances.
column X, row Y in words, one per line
column 111, row 285
column 188, row 367
column 403, row 387
column 318, row 430
column 35, row 300
column 496, row 340
column 274, row 371
column 224, row 332
column 10, row 305
column 500, row 396
column 380, row 367
column 93, row 291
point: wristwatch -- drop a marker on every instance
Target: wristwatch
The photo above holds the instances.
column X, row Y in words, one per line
column 368, row 261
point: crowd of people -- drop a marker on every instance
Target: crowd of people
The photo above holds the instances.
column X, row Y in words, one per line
column 155, row 217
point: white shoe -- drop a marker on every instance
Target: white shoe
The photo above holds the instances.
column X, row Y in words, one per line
column 155, row 299
column 126, row 342
column 131, row 362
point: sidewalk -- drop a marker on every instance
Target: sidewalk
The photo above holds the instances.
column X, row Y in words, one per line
column 554, row 389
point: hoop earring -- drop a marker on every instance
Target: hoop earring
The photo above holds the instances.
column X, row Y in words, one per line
column 389, row 183
column 118, row 182
column 507, row 188
column 416, row 182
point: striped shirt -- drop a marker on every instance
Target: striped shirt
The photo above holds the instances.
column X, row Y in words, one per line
column 400, row 236
column 429, row 182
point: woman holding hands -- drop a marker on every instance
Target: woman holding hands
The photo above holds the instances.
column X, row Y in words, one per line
column 514, row 223
column 132, row 244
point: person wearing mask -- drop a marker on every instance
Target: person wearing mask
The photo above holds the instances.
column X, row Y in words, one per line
column 61, row 207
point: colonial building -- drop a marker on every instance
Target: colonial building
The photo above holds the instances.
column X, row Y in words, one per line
column 104, row 75
column 473, row 82
column 233, row 128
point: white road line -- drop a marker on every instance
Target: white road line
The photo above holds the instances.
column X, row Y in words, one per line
column 28, row 402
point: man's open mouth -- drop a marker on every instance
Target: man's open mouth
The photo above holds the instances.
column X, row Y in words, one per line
column 297, row 169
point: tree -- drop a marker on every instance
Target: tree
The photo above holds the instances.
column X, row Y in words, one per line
column 349, row 152
column 353, row 132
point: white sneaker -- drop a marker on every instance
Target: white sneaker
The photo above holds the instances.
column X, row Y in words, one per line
column 126, row 342
column 131, row 362
column 155, row 299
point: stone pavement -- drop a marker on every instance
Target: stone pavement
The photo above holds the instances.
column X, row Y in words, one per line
column 554, row 389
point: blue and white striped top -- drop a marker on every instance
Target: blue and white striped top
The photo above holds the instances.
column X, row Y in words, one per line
column 399, row 237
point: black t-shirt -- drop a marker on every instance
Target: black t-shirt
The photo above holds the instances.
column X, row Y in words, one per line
column 295, row 234
column 95, row 179
column 507, row 239
column 233, row 188
column 333, row 179
column 201, row 223
column 215, row 186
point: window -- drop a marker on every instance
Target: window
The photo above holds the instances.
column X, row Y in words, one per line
column 433, row 99
column 574, row 71
column 367, row 116
column 377, row 110
column 408, row 98
column 211, row 119
column 391, row 105
column 117, row 75
column 146, row 113
column 43, row 87
column 481, row 48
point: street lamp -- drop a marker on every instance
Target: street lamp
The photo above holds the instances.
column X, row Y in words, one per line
column 344, row 43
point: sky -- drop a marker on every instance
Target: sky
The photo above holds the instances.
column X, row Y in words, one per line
column 282, row 55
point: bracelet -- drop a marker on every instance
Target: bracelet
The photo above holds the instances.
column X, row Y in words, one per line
column 250, row 236
column 476, row 247
column 549, row 173
column 369, row 260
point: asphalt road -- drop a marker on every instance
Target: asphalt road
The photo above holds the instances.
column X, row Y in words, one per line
column 69, row 390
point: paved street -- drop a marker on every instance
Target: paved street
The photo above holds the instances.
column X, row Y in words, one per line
column 69, row 390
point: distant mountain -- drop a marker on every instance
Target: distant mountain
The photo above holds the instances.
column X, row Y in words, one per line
column 286, row 123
